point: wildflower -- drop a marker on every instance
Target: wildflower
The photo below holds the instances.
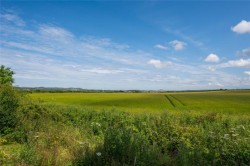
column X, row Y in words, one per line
column 95, row 124
column 98, row 153
column 241, row 126
column 226, row 136
column 81, row 143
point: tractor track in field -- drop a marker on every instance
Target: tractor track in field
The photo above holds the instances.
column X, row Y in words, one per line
column 170, row 101
column 183, row 104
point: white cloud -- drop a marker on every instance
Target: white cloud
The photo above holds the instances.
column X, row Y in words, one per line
column 242, row 27
column 102, row 71
column 215, row 84
column 212, row 58
column 159, row 64
column 240, row 63
column 103, row 42
column 29, row 47
column 185, row 37
column 211, row 68
column 155, row 63
column 55, row 32
column 161, row 78
column 57, row 41
column 177, row 45
column 247, row 72
column 244, row 52
column 162, row 47
column 13, row 18
column 236, row 63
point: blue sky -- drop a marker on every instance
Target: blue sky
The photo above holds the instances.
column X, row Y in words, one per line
column 127, row 45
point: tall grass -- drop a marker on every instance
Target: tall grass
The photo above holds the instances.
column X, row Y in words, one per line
column 53, row 135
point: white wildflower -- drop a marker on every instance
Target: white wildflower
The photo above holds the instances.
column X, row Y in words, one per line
column 226, row 136
column 98, row 124
column 95, row 124
column 81, row 143
column 98, row 153
column 241, row 127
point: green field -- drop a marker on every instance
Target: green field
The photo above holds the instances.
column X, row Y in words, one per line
column 236, row 102
column 75, row 129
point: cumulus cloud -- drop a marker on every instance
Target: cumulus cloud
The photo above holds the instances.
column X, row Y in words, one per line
column 155, row 63
column 236, row 63
column 162, row 47
column 212, row 58
column 159, row 64
column 247, row 73
column 178, row 45
column 242, row 27
column 244, row 52
column 240, row 63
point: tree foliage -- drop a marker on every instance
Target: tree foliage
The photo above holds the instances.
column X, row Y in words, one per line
column 8, row 101
column 6, row 75
column 8, row 105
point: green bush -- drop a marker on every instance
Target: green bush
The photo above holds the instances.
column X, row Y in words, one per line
column 9, row 101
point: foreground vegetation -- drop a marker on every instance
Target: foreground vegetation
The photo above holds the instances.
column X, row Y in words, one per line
column 50, row 133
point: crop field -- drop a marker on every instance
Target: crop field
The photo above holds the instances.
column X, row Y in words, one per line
column 233, row 102
column 75, row 129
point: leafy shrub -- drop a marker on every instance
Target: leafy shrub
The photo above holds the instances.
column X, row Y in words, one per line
column 9, row 101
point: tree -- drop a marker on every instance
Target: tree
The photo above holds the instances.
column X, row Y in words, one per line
column 9, row 101
column 6, row 76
